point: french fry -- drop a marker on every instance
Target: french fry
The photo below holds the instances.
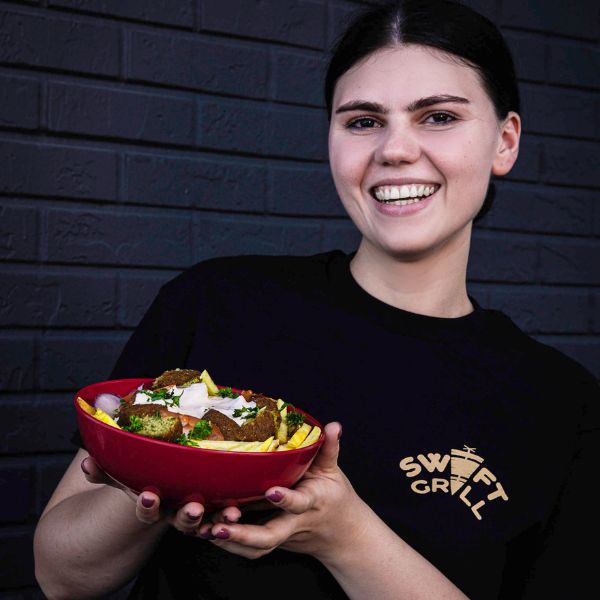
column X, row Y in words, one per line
column 282, row 432
column 299, row 436
column 88, row 408
column 213, row 390
column 264, row 446
column 311, row 438
column 273, row 446
column 102, row 416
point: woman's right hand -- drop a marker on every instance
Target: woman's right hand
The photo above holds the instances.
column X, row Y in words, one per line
column 147, row 504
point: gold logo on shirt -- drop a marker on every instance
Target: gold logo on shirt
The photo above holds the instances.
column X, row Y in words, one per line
column 474, row 484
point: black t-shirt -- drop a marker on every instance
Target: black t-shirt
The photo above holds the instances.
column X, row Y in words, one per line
column 473, row 442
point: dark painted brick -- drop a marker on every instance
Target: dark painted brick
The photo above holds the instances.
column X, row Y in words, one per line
column 488, row 8
column 527, row 167
column 19, row 102
column 586, row 351
column 290, row 132
column 340, row 235
column 70, row 172
column 298, row 22
column 560, row 111
column 17, row 366
column 136, row 293
column 49, row 472
column 34, row 424
column 71, row 361
column 569, row 261
column 221, row 236
column 574, row 64
column 239, row 68
column 542, row 208
column 559, row 16
column 502, row 258
column 223, row 185
column 116, row 113
column 66, row 44
column 528, row 52
column 16, row 558
column 18, row 233
column 311, row 193
column 544, row 310
column 340, row 17
column 159, row 11
column 105, row 237
column 16, row 479
column 55, row 299
column 298, row 78
column 571, row 163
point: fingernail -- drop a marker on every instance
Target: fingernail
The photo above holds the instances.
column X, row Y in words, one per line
column 207, row 535
column 223, row 534
column 192, row 516
column 340, row 433
column 275, row 496
column 147, row 502
column 84, row 468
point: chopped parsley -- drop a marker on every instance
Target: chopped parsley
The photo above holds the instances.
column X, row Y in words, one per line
column 227, row 392
column 202, row 429
column 247, row 413
column 135, row 424
column 166, row 396
column 294, row 419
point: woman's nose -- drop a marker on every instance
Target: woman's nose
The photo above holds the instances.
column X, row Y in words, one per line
column 398, row 145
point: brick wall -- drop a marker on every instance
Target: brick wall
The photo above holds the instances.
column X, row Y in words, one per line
column 123, row 120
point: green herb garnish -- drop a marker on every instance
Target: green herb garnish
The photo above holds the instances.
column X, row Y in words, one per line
column 227, row 392
column 135, row 424
column 247, row 413
column 202, row 429
column 294, row 419
column 166, row 396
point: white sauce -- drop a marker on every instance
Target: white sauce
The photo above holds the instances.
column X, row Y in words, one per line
column 195, row 401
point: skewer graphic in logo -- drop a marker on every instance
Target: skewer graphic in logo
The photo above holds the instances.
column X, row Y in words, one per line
column 463, row 463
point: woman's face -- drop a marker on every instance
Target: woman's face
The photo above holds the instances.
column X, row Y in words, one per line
column 413, row 141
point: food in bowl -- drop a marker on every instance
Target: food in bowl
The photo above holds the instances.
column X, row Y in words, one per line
column 214, row 472
column 184, row 406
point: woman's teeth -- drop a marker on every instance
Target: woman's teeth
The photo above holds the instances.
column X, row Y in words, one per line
column 403, row 194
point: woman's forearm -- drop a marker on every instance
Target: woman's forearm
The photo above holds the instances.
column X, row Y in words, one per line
column 91, row 543
column 379, row 564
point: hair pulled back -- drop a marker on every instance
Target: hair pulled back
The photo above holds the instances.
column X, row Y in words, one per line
column 442, row 24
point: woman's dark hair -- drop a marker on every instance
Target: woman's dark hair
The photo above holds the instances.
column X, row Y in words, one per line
column 442, row 24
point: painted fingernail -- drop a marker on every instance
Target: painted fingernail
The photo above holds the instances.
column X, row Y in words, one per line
column 207, row 535
column 147, row 502
column 84, row 467
column 223, row 534
column 275, row 496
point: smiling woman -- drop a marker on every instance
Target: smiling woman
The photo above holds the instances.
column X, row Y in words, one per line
column 470, row 445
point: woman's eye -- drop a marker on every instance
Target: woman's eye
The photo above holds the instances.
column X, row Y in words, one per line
column 363, row 123
column 440, row 118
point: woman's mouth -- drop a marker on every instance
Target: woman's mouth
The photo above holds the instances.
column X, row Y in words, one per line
column 402, row 195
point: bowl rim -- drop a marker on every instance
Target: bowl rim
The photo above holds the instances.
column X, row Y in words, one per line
column 84, row 414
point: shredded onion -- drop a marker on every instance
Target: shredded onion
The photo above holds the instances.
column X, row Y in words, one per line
column 109, row 403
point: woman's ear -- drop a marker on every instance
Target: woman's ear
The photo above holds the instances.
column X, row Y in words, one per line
column 508, row 148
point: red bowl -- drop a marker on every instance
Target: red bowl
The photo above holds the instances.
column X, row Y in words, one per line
column 180, row 474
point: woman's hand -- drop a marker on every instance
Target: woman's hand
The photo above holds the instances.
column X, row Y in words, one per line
column 320, row 516
column 147, row 504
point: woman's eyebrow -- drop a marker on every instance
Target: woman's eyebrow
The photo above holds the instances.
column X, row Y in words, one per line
column 431, row 100
column 412, row 107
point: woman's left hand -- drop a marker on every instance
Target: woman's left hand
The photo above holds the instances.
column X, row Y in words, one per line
column 321, row 515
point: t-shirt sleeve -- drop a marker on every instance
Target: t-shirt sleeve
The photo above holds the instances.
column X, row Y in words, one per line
column 163, row 337
column 566, row 561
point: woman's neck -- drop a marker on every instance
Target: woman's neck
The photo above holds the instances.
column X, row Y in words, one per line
column 432, row 285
